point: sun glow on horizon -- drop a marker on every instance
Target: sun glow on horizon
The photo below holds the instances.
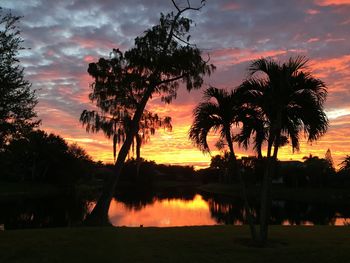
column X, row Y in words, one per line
column 175, row 148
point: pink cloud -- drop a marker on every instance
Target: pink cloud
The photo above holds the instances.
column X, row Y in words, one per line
column 332, row 2
column 312, row 12
column 94, row 43
column 89, row 59
column 253, row 30
column 230, row 6
column 314, row 39
column 326, row 67
column 234, row 56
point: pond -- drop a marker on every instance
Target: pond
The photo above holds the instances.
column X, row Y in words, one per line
column 163, row 213
column 163, row 210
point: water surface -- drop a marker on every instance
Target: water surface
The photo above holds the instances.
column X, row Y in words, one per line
column 163, row 213
column 165, row 209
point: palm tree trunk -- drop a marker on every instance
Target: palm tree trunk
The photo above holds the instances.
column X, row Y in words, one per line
column 269, row 146
column 266, row 195
column 243, row 187
column 265, row 202
column 275, row 149
column 99, row 215
column 138, row 154
column 259, row 150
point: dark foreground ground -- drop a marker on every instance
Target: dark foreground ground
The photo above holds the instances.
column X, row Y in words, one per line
column 180, row 244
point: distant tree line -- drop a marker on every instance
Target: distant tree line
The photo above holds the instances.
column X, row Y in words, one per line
column 312, row 172
column 42, row 157
column 144, row 173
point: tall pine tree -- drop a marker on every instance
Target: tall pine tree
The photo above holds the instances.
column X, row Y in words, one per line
column 17, row 100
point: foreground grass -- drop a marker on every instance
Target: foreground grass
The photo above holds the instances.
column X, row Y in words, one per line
column 181, row 244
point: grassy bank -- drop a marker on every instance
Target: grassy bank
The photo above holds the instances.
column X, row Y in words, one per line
column 182, row 244
column 279, row 192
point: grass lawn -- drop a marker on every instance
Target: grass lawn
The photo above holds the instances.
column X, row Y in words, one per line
column 181, row 244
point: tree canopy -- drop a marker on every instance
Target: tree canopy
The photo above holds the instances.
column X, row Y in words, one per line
column 17, row 100
column 290, row 101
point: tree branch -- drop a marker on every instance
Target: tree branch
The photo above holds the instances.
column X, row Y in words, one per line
column 183, row 41
column 189, row 7
column 180, row 11
column 170, row 80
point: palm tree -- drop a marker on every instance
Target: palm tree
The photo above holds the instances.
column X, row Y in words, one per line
column 254, row 126
column 290, row 101
column 219, row 112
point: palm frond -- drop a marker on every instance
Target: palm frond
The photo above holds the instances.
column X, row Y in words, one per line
column 265, row 65
column 206, row 118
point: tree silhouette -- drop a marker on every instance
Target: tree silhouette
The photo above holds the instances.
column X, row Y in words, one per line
column 17, row 100
column 220, row 161
column 345, row 165
column 42, row 157
column 161, row 59
column 329, row 158
column 220, row 115
column 290, row 101
column 118, row 125
column 317, row 169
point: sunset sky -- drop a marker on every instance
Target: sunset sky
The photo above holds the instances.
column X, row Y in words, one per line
column 64, row 36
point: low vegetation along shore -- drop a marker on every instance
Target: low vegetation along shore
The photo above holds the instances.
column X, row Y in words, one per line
column 179, row 244
column 279, row 192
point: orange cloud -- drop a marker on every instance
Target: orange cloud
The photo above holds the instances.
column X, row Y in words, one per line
column 336, row 74
column 337, row 139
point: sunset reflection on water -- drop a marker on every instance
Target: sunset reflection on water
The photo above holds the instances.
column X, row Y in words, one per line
column 163, row 213
column 203, row 210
